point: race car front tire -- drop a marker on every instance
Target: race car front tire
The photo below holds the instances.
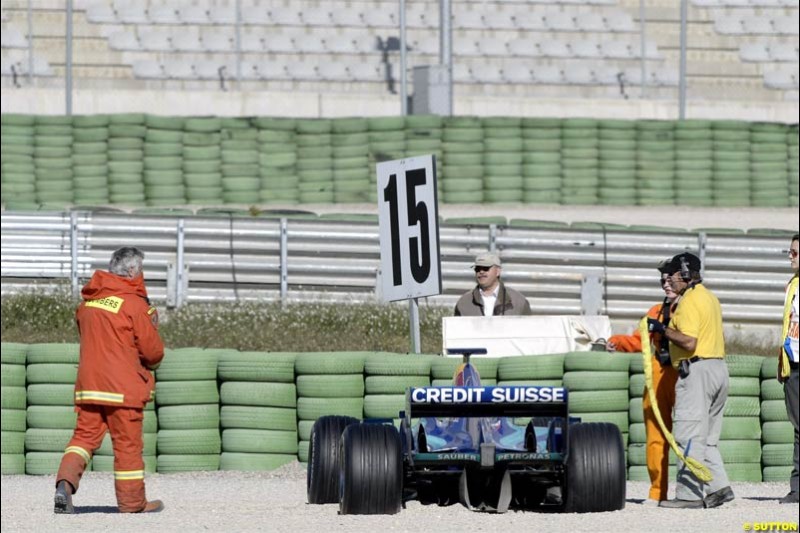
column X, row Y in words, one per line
column 372, row 470
column 595, row 476
column 322, row 477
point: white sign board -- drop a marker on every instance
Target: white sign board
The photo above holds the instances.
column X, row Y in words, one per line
column 409, row 228
column 524, row 335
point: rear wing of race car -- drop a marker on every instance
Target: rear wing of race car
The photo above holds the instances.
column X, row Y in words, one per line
column 515, row 401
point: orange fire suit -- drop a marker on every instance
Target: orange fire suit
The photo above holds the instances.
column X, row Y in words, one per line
column 120, row 345
column 664, row 379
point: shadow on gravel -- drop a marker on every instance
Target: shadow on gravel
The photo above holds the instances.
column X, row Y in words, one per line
column 105, row 509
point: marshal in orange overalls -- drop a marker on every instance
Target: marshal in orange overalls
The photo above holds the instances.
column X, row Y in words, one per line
column 119, row 346
column 664, row 379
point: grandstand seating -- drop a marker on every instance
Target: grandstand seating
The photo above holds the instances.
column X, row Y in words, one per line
column 122, row 40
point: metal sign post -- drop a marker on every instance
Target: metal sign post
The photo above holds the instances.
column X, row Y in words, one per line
column 408, row 216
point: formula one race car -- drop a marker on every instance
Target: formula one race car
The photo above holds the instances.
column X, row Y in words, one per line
column 490, row 448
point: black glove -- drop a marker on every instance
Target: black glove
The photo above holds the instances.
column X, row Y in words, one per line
column 655, row 326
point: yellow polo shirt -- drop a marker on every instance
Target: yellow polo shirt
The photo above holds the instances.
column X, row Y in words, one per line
column 698, row 315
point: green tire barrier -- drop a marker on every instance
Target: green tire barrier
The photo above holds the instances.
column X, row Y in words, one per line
column 258, row 394
column 52, row 373
column 13, row 420
column 53, row 353
column 330, row 363
column 12, row 464
column 204, row 416
column 313, row 408
column 186, row 392
column 12, row 375
column 189, row 441
column 531, row 367
column 51, row 417
column 394, row 384
column 12, row 397
column 596, row 381
column 250, row 417
column 259, row 441
column 43, row 463
column 257, row 366
column 330, row 385
column 397, row 365
column 175, row 463
column 772, row 389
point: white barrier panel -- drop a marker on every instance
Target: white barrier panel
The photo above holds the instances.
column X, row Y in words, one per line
column 524, row 335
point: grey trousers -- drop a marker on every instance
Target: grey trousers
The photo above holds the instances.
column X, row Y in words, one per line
column 696, row 424
column 790, row 389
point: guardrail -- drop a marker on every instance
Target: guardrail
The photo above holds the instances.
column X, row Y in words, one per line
column 583, row 269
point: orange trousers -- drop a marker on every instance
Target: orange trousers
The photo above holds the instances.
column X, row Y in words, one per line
column 125, row 426
column 664, row 379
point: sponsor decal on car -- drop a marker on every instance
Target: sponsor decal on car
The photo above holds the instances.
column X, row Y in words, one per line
column 498, row 395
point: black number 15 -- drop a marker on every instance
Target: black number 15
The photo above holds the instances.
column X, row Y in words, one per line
column 417, row 214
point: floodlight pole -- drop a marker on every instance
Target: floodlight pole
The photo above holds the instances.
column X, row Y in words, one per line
column 446, row 49
column 403, row 66
column 682, row 82
column 68, row 61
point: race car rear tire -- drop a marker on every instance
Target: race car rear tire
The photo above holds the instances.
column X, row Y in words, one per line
column 595, row 476
column 372, row 470
column 322, row 477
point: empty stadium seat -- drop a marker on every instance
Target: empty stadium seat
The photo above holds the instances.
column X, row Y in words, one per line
column 548, row 75
column 469, row 20
column 13, row 38
column 193, row 15
column 758, row 25
column 316, row 16
column 101, row 14
column 590, row 22
column 132, row 14
column 256, row 15
column 665, row 77
column 523, row 47
column 559, row 21
column 333, row 71
column 279, row 42
column 364, row 71
column 340, row 44
column 465, row 46
column 272, row 70
column 163, row 14
column 620, row 22
column 488, row 73
column 781, row 79
column 609, row 76
column 222, row 15
column 147, row 69
column 531, row 21
column 517, row 73
column 285, row 16
column 178, row 69
column 462, row 73
column 309, row 44
column 757, row 52
column 579, row 75
column 490, row 46
column 586, row 49
column 187, row 42
column 41, row 67
column 252, row 42
column 419, row 18
column 500, row 20
column 551, row 48
column 787, row 25
column 426, row 45
column 124, row 41
column 783, row 52
column 346, row 17
column 729, row 25
column 155, row 41
column 217, row 41
column 367, row 43
column 379, row 18
column 208, row 69
column 617, row 50
column 303, row 71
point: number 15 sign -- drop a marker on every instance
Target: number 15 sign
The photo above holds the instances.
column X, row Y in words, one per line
column 409, row 228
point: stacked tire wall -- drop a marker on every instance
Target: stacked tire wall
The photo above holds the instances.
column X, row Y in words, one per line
column 740, row 442
column 135, row 159
column 777, row 433
column 387, row 376
column 51, row 372
column 187, row 403
column 328, row 383
column 12, row 408
column 258, row 418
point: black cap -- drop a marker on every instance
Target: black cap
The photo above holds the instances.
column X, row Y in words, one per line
column 683, row 261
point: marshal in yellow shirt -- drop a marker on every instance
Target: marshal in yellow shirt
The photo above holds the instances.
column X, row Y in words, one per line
column 698, row 315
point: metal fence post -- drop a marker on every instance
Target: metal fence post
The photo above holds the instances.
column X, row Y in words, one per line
column 702, row 239
column 492, row 237
column 284, row 256
column 73, row 252
column 592, row 295
column 179, row 267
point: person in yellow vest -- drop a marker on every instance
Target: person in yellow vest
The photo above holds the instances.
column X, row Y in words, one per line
column 788, row 361
column 697, row 351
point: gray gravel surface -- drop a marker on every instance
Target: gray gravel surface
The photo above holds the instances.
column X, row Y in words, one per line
column 276, row 501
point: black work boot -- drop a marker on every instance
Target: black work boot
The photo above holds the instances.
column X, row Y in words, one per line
column 715, row 499
column 792, row 497
column 681, row 504
column 63, row 498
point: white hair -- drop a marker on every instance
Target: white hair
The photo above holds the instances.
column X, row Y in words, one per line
column 126, row 262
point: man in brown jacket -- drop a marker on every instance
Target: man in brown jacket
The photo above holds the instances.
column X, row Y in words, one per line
column 491, row 297
column 120, row 345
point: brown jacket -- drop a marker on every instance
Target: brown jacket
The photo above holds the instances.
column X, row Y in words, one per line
column 509, row 302
column 119, row 342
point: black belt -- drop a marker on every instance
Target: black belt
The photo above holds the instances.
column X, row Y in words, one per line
column 697, row 359
column 793, row 365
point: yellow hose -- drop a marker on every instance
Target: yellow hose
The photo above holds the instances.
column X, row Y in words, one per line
column 698, row 469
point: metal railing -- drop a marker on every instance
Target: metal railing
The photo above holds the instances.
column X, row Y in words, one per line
column 605, row 269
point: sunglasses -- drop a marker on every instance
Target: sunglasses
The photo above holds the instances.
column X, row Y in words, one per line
column 482, row 269
column 792, row 253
